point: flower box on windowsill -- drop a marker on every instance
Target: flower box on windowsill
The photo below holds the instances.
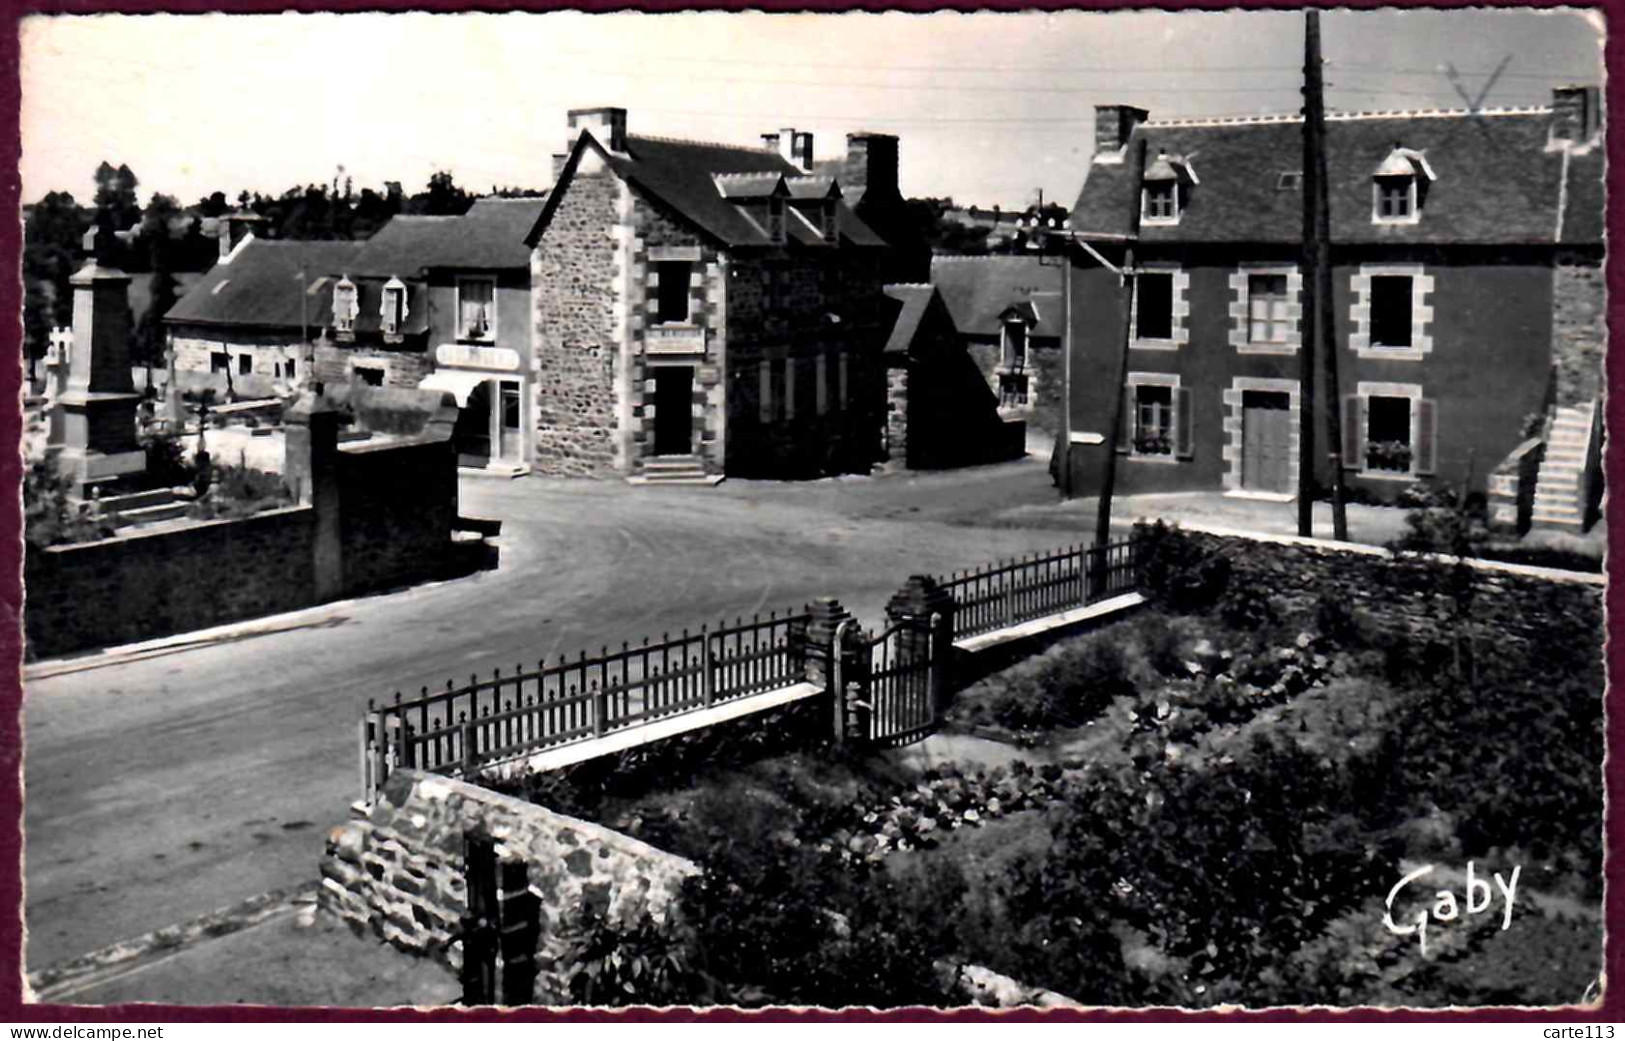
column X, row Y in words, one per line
column 1388, row 458
column 1154, row 445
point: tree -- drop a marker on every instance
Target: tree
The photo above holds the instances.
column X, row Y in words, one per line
column 212, row 205
column 115, row 193
column 443, row 198
column 37, row 323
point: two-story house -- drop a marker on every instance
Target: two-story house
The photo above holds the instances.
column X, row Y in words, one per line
column 703, row 310
column 440, row 302
column 1467, row 295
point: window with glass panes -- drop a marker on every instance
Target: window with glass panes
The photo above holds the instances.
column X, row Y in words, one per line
column 1395, row 197
column 1391, row 310
column 476, row 319
column 1161, row 201
column 1153, row 420
column 1267, row 309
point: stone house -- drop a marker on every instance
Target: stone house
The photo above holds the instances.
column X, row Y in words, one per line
column 1467, row 295
column 439, row 302
column 704, row 310
column 1009, row 314
column 940, row 411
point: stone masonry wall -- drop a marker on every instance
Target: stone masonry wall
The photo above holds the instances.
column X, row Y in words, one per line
column 574, row 272
column 336, row 363
column 1579, row 328
column 138, row 586
column 399, row 505
column 1514, row 602
column 657, row 232
column 399, row 870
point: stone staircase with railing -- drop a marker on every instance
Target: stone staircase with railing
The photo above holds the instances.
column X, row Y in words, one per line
column 1562, row 487
column 674, row 469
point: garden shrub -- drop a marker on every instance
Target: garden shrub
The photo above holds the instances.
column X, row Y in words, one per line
column 236, row 490
column 1248, row 608
column 166, row 460
column 1066, row 687
column 1177, row 574
column 50, row 516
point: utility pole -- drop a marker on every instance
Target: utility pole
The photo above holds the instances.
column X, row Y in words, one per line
column 1103, row 517
column 1319, row 316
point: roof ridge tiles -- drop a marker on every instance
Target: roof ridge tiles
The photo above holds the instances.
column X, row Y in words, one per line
column 1349, row 116
column 706, row 144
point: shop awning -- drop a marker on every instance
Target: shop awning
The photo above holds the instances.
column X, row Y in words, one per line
column 457, row 381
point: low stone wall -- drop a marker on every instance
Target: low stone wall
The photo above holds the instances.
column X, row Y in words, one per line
column 1514, row 601
column 399, row 871
column 142, row 585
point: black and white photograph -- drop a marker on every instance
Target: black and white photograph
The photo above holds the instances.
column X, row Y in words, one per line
column 1047, row 510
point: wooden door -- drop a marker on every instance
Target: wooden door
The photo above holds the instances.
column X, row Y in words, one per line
column 1266, row 449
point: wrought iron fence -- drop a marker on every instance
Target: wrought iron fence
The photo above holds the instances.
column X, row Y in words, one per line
column 997, row 596
column 510, row 715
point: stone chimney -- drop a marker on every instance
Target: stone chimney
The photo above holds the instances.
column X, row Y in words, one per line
column 232, row 228
column 1114, row 124
column 794, row 147
column 608, row 126
column 1576, row 113
column 871, row 164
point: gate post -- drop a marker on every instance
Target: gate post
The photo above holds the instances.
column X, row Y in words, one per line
column 816, row 643
column 929, row 610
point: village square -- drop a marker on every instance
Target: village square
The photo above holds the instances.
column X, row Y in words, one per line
column 727, row 570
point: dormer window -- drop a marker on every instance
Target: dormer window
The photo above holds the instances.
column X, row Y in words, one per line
column 392, row 308
column 1399, row 187
column 1166, row 189
column 775, row 220
column 827, row 222
column 346, row 305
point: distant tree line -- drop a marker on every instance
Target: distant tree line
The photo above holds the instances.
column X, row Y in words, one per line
column 949, row 228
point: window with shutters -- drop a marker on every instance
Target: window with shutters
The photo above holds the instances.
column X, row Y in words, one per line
column 1389, row 431
column 1157, row 418
column 1159, row 311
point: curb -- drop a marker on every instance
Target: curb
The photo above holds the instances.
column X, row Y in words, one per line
column 54, row 982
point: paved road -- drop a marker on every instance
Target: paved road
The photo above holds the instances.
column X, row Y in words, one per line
column 162, row 788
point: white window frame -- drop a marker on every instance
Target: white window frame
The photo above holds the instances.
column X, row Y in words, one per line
column 344, row 317
column 1365, row 391
column 1146, row 217
column 1179, row 320
column 1241, row 309
column 387, row 319
column 1421, row 312
column 1135, row 381
column 491, row 316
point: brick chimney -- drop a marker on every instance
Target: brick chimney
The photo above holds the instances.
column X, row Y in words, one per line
column 1576, row 113
column 871, row 164
column 608, row 126
column 1114, row 124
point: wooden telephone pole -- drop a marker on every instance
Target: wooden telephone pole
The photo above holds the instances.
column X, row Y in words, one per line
column 1103, row 516
column 1319, row 317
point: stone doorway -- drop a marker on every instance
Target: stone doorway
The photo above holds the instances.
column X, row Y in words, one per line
column 674, row 410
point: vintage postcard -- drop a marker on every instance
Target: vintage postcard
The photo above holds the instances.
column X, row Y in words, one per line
column 1029, row 509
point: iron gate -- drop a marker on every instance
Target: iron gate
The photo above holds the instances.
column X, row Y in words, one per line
column 894, row 683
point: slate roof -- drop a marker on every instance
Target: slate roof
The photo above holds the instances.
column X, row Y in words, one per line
column 915, row 301
column 682, row 175
column 1497, row 182
column 262, row 285
column 978, row 290
column 490, row 236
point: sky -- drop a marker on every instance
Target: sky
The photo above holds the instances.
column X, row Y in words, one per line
column 989, row 108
